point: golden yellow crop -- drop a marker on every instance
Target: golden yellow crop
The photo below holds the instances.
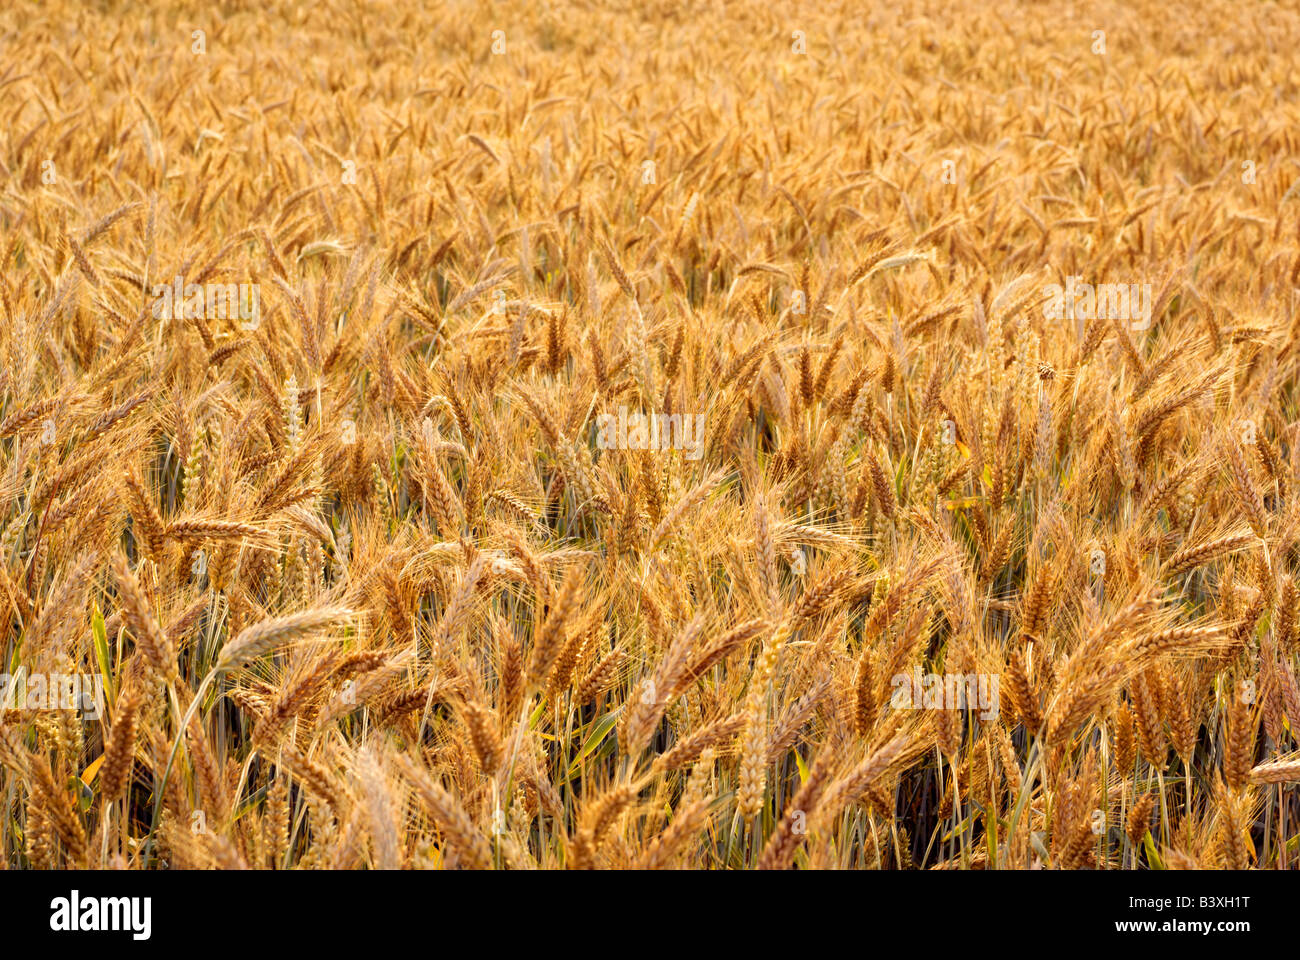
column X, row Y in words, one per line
column 734, row 435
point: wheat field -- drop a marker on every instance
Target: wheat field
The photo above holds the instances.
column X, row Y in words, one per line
column 719, row 435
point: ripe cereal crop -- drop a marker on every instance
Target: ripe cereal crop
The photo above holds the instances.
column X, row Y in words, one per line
column 663, row 435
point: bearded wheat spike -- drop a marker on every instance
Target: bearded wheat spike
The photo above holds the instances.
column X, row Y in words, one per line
column 261, row 638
